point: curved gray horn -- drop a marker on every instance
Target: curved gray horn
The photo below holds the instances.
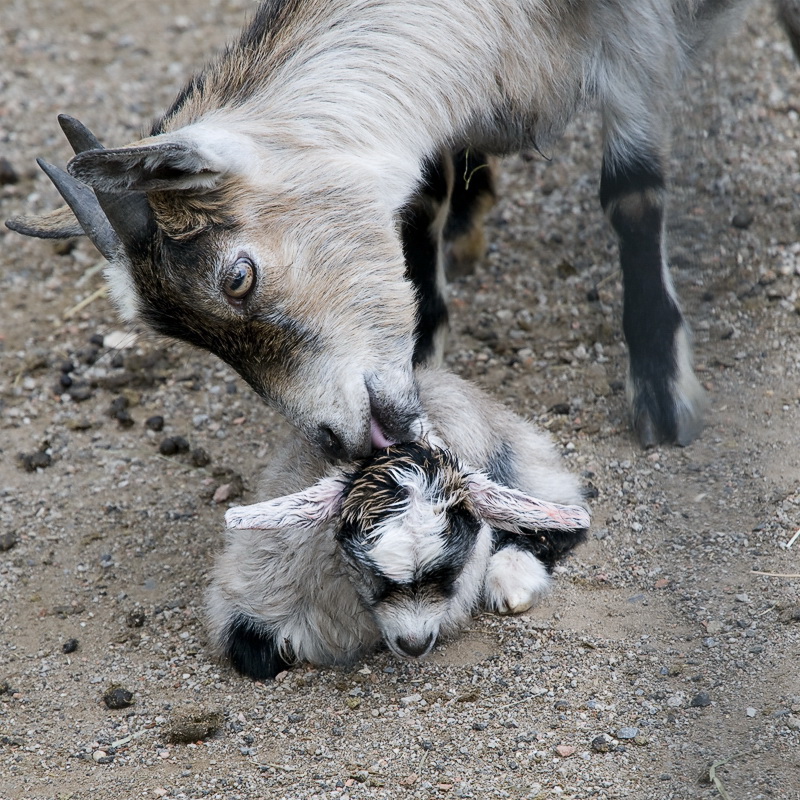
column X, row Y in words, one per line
column 78, row 135
column 129, row 213
column 86, row 208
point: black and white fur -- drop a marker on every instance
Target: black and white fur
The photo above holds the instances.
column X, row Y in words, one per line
column 401, row 547
column 289, row 211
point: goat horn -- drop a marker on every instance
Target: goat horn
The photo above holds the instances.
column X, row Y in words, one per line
column 78, row 135
column 129, row 213
column 86, row 208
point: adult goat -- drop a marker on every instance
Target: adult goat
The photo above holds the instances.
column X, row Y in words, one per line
column 288, row 211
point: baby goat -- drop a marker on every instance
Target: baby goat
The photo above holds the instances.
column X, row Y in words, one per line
column 402, row 546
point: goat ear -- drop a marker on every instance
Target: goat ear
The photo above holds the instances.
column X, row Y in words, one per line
column 155, row 166
column 516, row 511
column 57, row 224
column 307, row 509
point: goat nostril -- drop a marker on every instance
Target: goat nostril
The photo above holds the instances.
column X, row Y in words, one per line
column 330, row 443
column 412, row 646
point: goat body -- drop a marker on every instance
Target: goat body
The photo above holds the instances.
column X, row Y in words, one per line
column 402, row 547
column 289, row 212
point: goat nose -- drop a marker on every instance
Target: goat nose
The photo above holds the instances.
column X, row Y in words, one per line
column 330, row 444
column 414, row 646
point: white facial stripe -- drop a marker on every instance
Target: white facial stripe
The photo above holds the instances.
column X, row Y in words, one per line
column 408, row 541
column 123, row 292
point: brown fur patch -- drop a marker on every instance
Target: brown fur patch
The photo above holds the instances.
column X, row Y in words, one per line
column 184, row 215
column 57, row 224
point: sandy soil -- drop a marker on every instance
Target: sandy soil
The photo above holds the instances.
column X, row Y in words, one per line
column 664, row 665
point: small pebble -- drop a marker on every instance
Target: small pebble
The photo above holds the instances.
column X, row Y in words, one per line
column 70, row 646
column 116, row 340
column 79, row 393
column 742, row 219
column 627, row 733
column 701, row 700
column 751, row 712
column 228, row 491
column 7, row 541
column 565, row 750
column 116, row 697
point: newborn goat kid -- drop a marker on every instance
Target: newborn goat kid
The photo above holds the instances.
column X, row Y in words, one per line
column 402, row 546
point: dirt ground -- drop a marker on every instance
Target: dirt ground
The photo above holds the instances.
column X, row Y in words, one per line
column 666, row 663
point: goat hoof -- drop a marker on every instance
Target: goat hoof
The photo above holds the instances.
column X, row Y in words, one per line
column 515, row 579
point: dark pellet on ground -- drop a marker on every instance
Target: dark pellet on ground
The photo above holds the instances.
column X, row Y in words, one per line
column 194, row 727
column 79, row 393
column 118, row 361
column 7, row 541
column 88, row 355
column 118, row 404
column 70, row 646
column 96, row 339
column 173, row 445
column 742, row 219
column 560, row 408
column 33, row 461
column 601, row 744
column 8, row 174
column 168, row 447
column 155, row 423
column 124, row 419
column 116, row 697
column 67, row 366
column 200, row 457
column 65, row 381
column 135, row 618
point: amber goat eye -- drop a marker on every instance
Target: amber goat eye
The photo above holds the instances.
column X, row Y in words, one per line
column 240, row 279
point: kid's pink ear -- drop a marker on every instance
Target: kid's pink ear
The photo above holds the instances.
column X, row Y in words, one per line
column 516, row 511
column 307, row 509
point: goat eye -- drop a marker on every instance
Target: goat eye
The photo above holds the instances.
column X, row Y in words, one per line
column 239, row 279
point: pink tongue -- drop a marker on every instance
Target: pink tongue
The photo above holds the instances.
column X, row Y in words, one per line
column 379, row 439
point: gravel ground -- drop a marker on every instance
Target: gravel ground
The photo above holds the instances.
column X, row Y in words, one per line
column 672, row 640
